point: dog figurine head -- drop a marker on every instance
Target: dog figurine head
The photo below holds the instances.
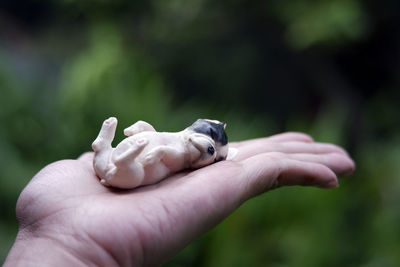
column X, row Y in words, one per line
column 210, row 139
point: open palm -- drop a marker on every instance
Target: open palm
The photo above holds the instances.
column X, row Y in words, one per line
column 65, row 208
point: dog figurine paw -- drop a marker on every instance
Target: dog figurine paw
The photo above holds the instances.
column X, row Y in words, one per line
column 146, row 156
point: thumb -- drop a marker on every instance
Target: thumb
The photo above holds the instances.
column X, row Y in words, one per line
column 270, row 170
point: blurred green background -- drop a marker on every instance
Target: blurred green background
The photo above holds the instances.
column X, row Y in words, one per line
column 327, row 68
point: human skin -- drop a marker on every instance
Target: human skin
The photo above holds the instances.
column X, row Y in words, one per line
column 67, row 218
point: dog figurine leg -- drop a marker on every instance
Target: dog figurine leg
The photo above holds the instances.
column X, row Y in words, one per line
column 124, row 171
column 128, row 156
column 166, row 154
column 102, row 148
column 138, row 127
column 106, row 135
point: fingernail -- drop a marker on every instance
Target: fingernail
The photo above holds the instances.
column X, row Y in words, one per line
column 331, row 184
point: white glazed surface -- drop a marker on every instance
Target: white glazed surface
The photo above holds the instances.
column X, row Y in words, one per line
column 146, row 156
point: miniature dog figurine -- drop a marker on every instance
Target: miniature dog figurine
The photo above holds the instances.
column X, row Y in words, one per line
column 146, row 156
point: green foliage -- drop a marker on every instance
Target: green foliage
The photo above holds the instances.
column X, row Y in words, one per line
column 323, row 21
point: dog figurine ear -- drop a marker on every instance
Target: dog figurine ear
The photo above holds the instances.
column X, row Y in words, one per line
column 206, row 147
column 223, row 124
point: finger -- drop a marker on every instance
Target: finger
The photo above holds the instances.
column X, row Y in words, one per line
column 263, row 146
column 291, row 136
column 340, row 164
column 87, row 157
column 283, row 137
column 315, row 148
column 306, row 174
column 267, row 171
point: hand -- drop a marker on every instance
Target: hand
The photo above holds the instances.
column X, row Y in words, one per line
column 67, row 217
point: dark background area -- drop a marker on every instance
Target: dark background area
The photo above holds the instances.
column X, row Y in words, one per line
column 327, row 68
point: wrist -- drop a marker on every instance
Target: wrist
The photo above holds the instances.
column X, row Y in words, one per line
column 29, row 250
column 56, row 249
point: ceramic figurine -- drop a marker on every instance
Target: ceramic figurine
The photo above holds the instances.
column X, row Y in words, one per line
column 146, row 156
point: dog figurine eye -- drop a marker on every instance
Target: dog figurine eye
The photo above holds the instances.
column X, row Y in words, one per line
column 211, row 150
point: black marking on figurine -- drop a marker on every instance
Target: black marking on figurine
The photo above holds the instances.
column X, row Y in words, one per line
column 218, row 159
column 215, row 130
